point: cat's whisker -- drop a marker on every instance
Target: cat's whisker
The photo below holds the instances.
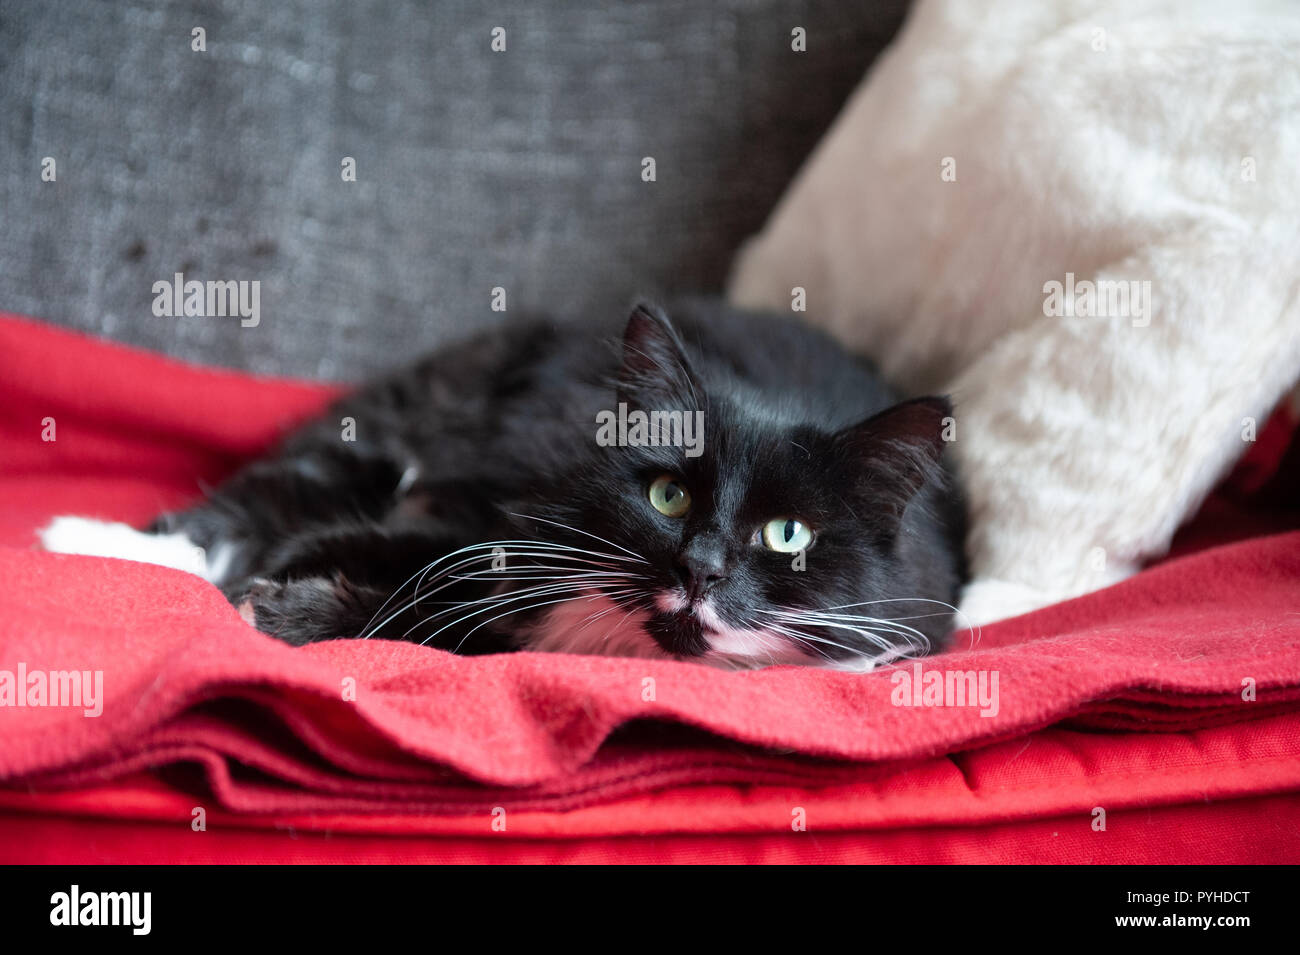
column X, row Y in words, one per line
column 851, row 622
column 804, row 638
column 974, row 629
column 864, row 627
column 471, row 608
column 909, row 647
column 488, row 550
column 854, row 616
column 526, row 609
column 893, row 600
column 496, row 575
column 411, row 603
column 370, row 629
column 592, row 618
column 583, row 557
column 578, row 563
column 496, row 600
column 569, row 573
column 575, row 530
column 508, row 594
column 619, row 626
column 527, row 548
column 425, row 570
column 494, row 551
column 474, row 608
column 871, row 624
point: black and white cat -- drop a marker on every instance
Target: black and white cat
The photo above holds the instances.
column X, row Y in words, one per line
column 473, row 502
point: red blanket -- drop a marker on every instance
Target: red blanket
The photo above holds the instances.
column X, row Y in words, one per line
column 373, row 738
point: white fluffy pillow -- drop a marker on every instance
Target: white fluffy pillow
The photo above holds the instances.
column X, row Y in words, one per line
column 1000, row 147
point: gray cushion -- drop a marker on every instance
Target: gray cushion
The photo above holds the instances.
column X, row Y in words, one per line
column 476, row 169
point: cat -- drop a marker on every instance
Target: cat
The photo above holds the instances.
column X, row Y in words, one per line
column 506, row 493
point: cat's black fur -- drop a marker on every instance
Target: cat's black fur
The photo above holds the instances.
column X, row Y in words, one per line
column 494, row 439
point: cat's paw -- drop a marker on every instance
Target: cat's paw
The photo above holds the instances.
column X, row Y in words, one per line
column 303, row 611
column 987, row 600
column 84, row 535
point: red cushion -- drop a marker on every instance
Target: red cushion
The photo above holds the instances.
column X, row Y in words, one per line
column 1178, row 686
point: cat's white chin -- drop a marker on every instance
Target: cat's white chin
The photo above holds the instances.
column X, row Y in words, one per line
column 596, row 625
column 734, row 646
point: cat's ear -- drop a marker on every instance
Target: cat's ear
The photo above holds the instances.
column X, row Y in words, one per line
column 898, row 452
column 656, row 373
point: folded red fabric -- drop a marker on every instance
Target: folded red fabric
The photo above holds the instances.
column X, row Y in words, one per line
column 1206, row 644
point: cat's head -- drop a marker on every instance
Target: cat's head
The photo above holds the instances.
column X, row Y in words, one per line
column 764, row 539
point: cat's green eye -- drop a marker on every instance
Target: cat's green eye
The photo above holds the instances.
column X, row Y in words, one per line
column 787, row 535
column 669, row 496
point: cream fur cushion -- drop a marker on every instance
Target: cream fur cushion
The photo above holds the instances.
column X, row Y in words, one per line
column 998, row 158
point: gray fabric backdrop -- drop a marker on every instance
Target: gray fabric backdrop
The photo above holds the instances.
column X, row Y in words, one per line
column 475, row 169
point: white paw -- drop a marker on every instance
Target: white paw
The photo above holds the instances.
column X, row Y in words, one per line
column 83, row 535
column 987, row 599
